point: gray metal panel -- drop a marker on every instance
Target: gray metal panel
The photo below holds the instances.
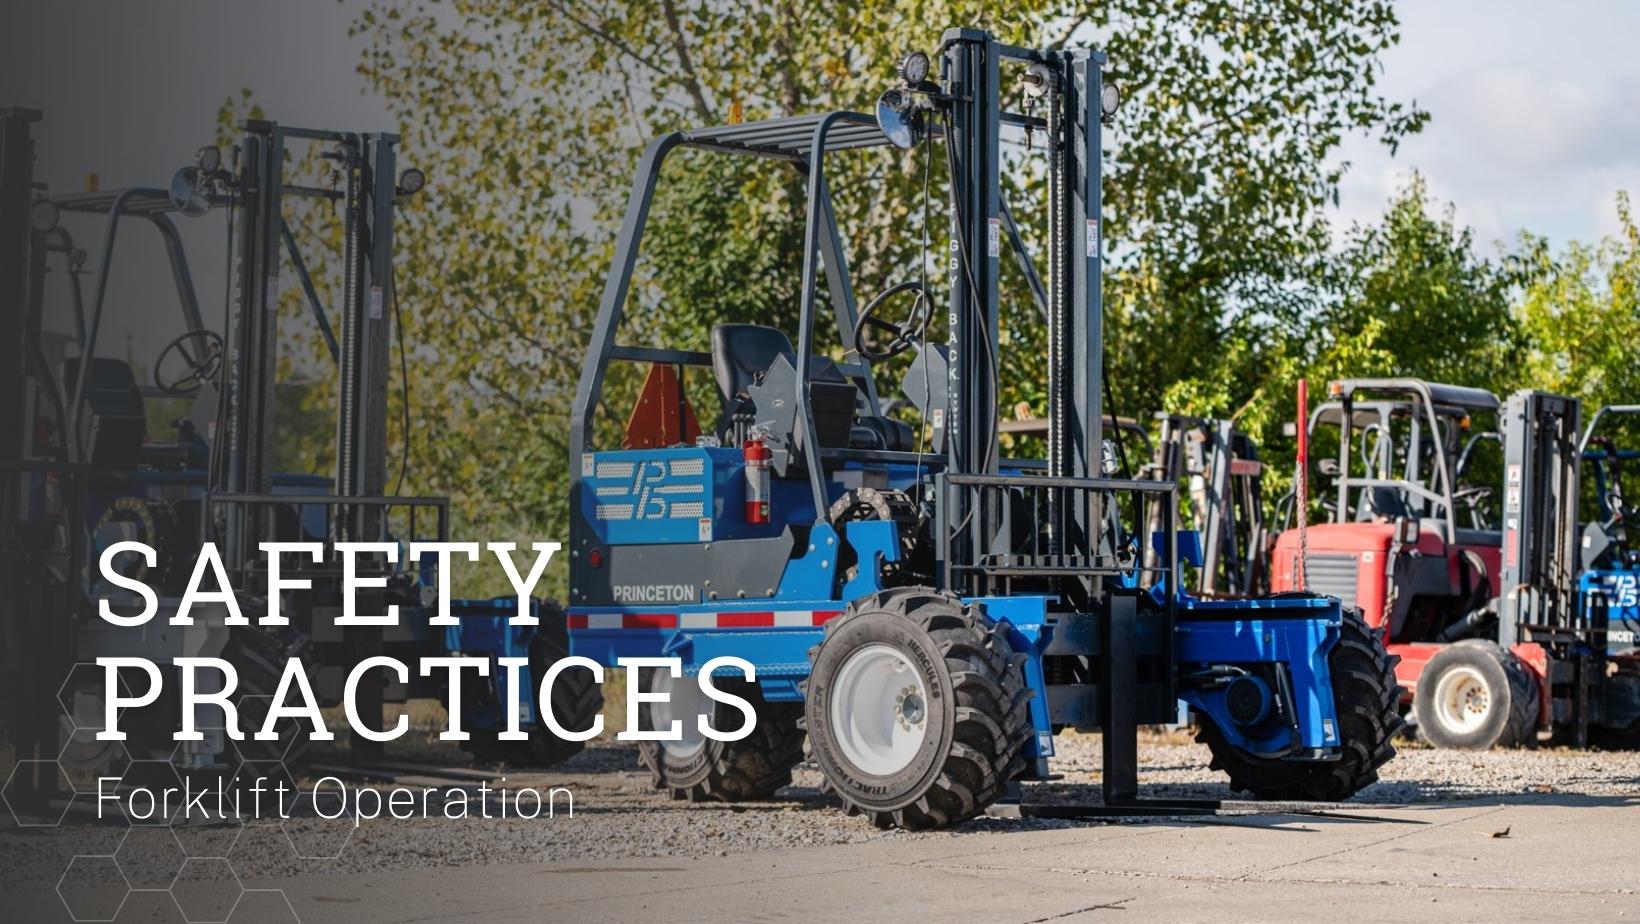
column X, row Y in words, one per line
column 1334, row 576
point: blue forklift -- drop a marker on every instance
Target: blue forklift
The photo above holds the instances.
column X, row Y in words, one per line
column 928, row 613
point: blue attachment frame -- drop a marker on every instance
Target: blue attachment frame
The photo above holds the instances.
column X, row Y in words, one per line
column 484, row 630
column 1290, row 636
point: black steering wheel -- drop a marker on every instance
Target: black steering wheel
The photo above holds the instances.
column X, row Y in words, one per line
column 200, row 352
column 906, row 334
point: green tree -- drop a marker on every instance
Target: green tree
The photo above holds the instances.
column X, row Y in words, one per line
column 1412, row 296
column 1580, row 310
column 528, row 119
column 1409, row 295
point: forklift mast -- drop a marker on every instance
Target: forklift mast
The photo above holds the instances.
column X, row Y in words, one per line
column 1541, row 461
column 1071, row 85
column 366, row 197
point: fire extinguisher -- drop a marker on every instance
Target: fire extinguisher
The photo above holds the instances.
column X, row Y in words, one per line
column 755, row 453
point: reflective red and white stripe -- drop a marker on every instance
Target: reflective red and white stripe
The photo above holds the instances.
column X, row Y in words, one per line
column 729, row 619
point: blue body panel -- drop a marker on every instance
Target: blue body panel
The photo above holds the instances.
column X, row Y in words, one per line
column 1619, row 593
column 695, row 495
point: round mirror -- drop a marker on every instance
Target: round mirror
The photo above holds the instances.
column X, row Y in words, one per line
column 899, row 121
column 188, row 193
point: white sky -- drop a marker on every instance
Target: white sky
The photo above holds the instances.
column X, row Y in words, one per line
column 1535, row 115
column 1534, row 126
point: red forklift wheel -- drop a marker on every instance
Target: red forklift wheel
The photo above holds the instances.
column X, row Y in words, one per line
column 1474, row 695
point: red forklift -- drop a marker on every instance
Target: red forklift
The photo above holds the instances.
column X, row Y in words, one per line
column 1452, row 523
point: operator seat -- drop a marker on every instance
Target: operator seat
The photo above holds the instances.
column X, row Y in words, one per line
column 1382, row 502
column 113, row 431
column 743, row 353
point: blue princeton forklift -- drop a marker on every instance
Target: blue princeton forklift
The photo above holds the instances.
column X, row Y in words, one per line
column 928, row 613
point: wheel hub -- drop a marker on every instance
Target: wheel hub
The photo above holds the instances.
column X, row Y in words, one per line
column 879, row 710
column 685, row 703
column 1463, row 699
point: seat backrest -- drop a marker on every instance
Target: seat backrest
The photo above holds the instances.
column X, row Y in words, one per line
column 1382, row 502
column 741, row 352
column 111, row 388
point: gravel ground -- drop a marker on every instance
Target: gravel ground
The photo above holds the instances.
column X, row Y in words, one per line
column 617, row 815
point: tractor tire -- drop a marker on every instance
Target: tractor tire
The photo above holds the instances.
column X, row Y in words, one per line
column 700, row 769
column 1365, row 696
column 916, row 708
column 576, row 697
column 1474, row 695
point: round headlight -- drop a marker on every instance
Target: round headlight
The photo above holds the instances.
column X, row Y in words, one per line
column 411, row 181
column 208, row 159
column 1109, row 99
column 914, row 68
column 43, row 215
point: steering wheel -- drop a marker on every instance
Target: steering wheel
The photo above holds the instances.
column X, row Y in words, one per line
column 1472, row 495
column 200, row 352
column 906, row 333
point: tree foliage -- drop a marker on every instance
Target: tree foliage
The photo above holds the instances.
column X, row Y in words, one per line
column 529, row 117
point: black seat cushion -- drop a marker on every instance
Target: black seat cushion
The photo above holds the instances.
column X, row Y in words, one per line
column 741, row 352
column 1382, row 502
column 111, row 435
column 111, row 388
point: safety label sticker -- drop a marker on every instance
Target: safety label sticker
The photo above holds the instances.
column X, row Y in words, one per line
column 1093, row 238
column 993, row 243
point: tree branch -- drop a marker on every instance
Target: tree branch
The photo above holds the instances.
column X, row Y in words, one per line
column 690, row 81
column 611, row 40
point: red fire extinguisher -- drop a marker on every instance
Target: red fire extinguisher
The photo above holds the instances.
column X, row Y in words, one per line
column 755, row 453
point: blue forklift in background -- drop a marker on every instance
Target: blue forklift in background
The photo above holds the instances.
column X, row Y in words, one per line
column 926, row 612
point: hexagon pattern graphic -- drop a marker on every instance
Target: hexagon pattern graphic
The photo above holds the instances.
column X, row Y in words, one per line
column 93, row 888
column 196, row 862
column 206, row 891
column 26, row 793
column 150, row 857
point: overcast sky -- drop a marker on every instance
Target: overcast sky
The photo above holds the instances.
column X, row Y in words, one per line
column 1534, row 118
column 1534, row 123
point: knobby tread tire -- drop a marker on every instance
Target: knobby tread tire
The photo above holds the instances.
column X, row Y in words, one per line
column 577, row 698
column 732, row 771
column 260, row 657
column 989, row 712
column 1365, row 695
column 1520, row 724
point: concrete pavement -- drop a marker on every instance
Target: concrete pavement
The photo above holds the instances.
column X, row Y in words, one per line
column 1565, row 858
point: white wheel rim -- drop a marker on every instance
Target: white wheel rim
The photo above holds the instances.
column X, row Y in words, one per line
column 1462, row 700
column 686, row 703
column 879, row 710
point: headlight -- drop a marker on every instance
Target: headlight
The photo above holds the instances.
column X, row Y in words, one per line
column 1109, row 99
column 914, row 68
column 208, row 159
column 43, row 215
column 411, row 181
